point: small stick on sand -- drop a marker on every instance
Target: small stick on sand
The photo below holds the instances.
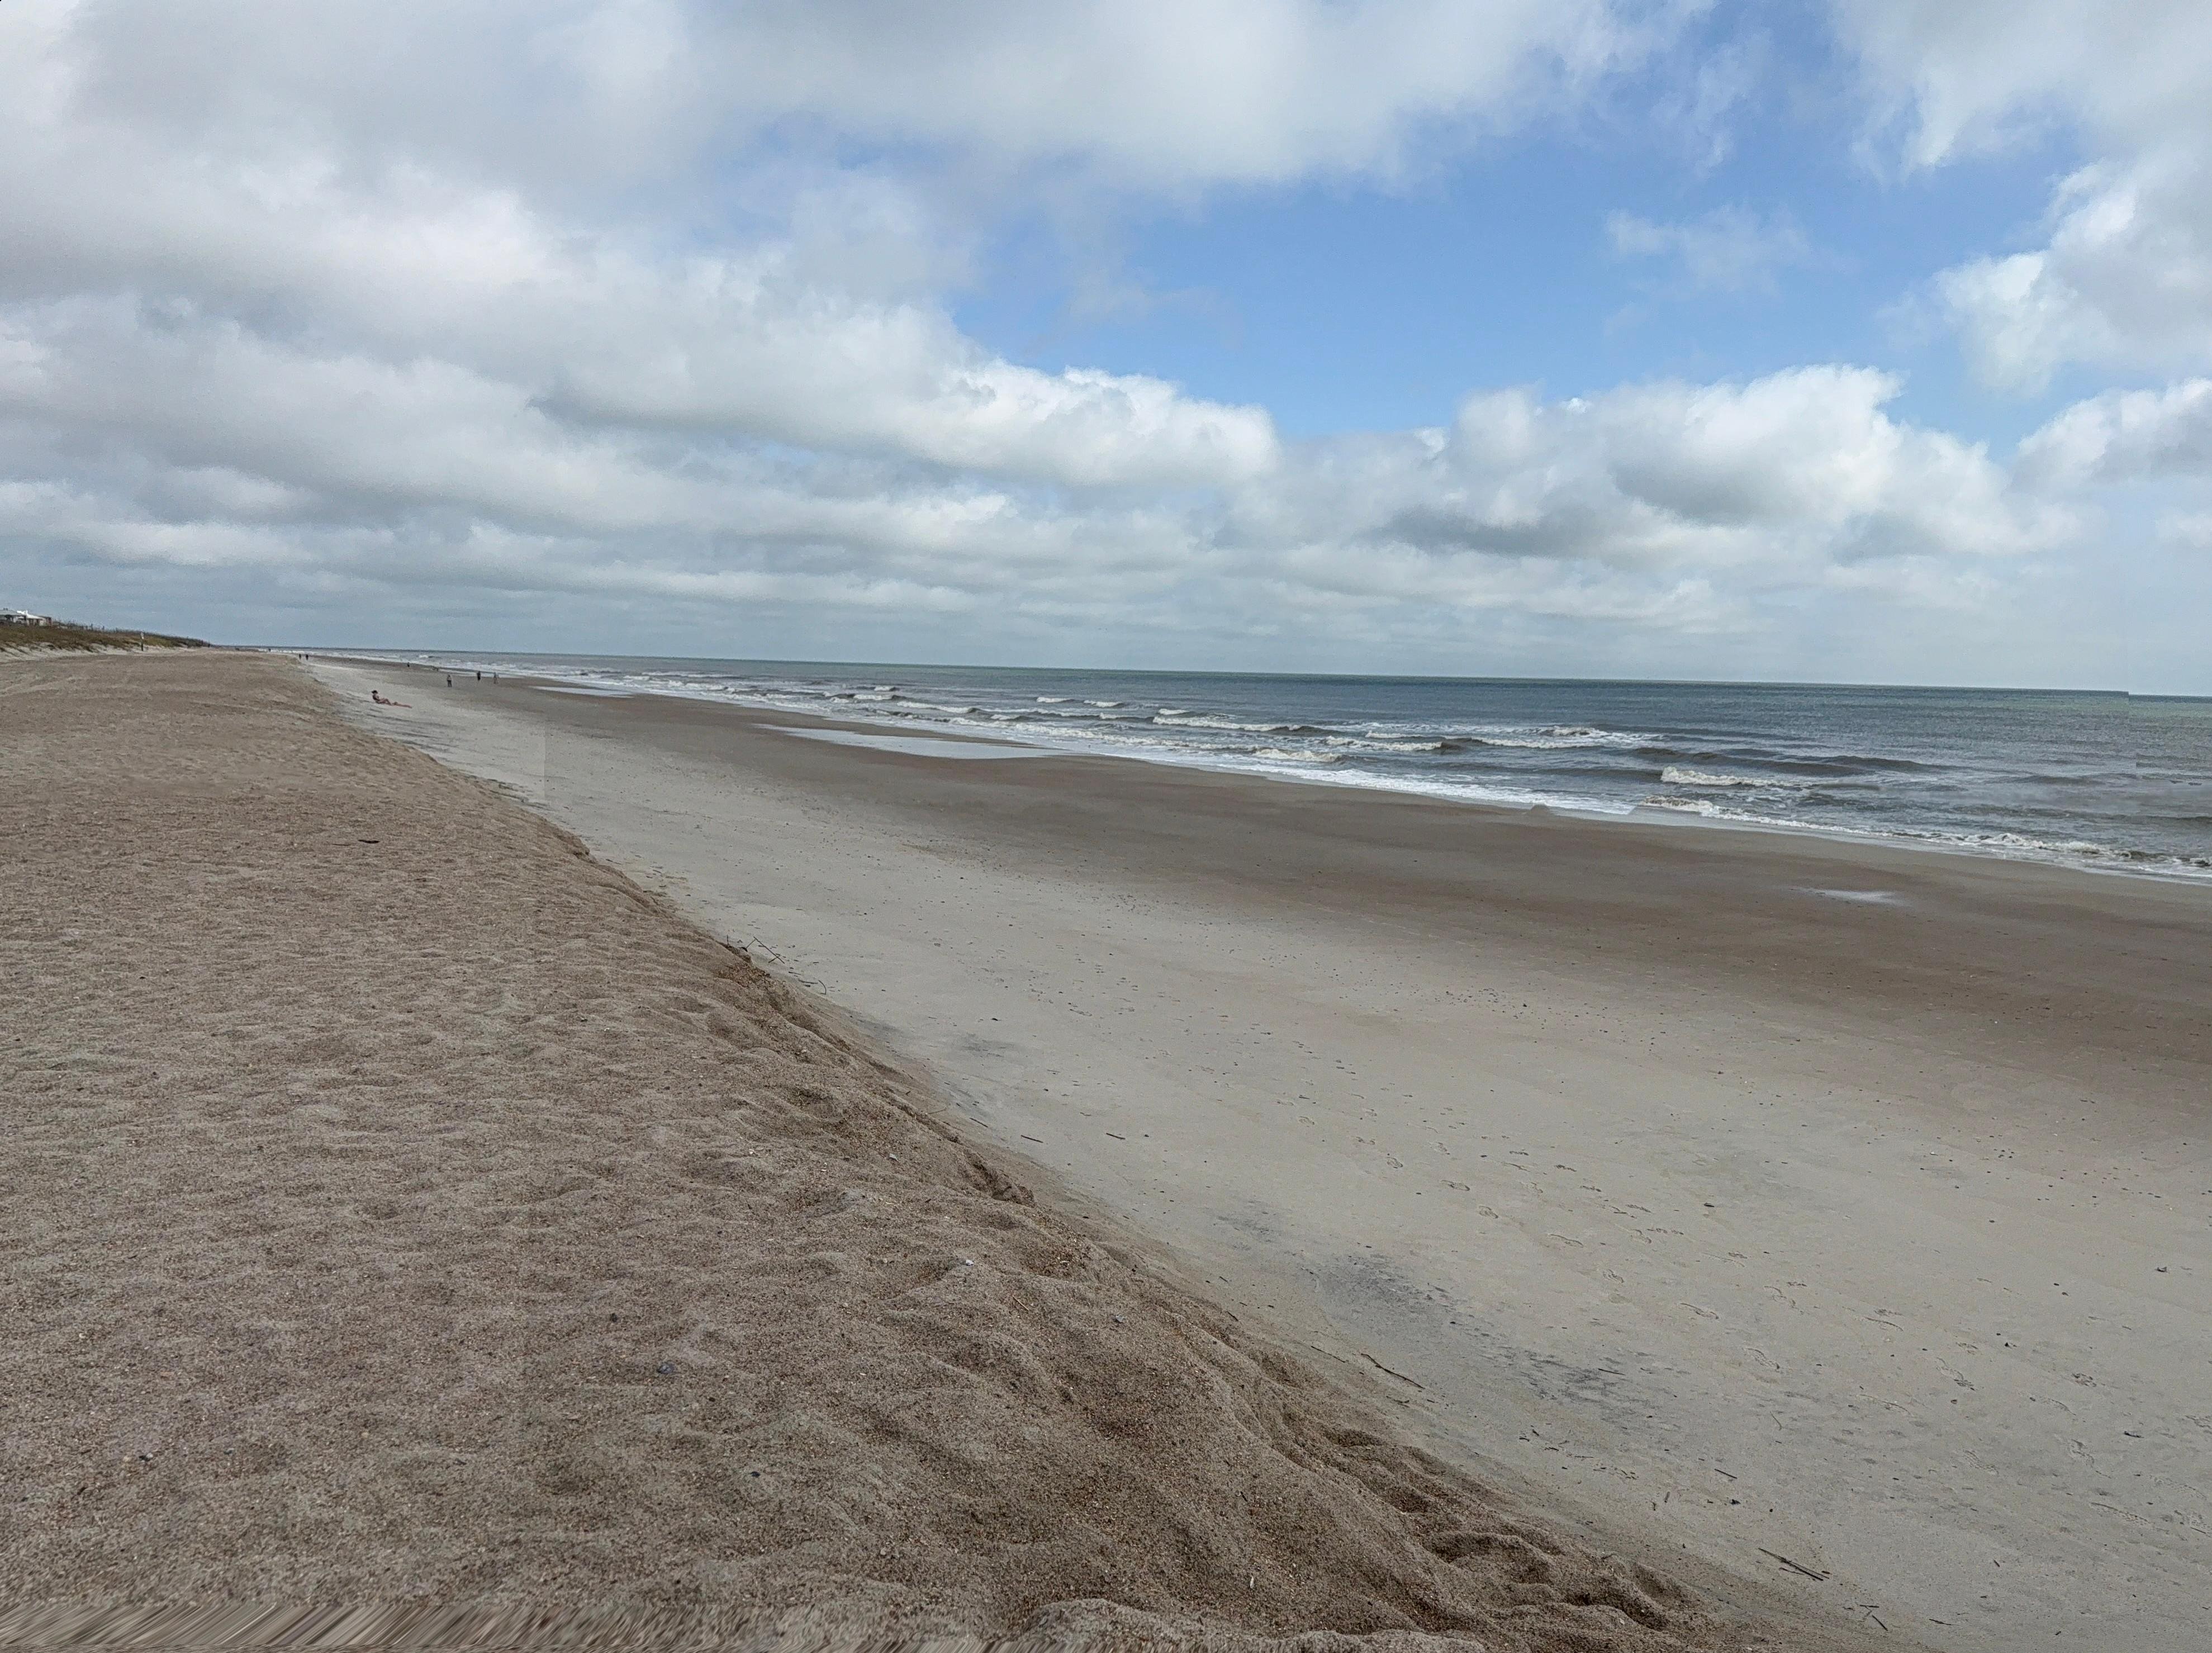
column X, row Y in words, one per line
column 1798, row 1567
column 1379, row 1366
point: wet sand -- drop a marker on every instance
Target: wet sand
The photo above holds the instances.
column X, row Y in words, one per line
column 418, row 1234
column 1802, row 1208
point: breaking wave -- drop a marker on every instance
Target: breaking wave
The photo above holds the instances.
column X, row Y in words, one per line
column 1674, row 775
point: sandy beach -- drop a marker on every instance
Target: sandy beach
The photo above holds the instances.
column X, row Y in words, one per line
column 1832, row 1217
column 418, row 1232
column 1254, row 826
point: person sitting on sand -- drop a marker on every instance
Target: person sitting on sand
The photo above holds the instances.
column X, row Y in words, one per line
column 377, row 695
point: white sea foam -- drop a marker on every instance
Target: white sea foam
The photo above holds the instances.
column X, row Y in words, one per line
column 2007, row 845
column 1676, row 775
column 1557, row 739
column 1177, row 720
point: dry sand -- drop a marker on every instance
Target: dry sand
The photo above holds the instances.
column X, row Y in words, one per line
column 1869, row 1233
column 404, row 1207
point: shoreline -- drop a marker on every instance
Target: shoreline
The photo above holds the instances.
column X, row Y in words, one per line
column 1233, row 1012
column 2106, row 862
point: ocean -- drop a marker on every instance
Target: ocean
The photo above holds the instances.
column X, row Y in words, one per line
column 2108, row 780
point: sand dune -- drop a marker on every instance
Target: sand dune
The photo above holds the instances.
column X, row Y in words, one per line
column 408, row 1214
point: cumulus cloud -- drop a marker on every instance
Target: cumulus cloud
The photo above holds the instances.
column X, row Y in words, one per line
column 1777, row 480
column 409, row 265
column 1975, row 75
column 1167, row 92
column 2121, row 280
column 2125, row 436
column 2124, row 281
column 1171, row 92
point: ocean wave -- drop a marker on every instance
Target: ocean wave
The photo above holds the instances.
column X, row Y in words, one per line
column 1230, row 726
column 1053, row 700
column 1676, row 775
column 1178, row 717
column 1074, row 719
column 2119, row 778
column 2077, row 851
column 1554, row 738
column 2010, row 846
column 1867, row 761
column 1840, row 766
column 1296, row 755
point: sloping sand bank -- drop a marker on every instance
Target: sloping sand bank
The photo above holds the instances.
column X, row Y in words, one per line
column 403, row 1206
column 1772, row 1227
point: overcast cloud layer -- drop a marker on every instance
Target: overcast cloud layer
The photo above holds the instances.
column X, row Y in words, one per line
column 630, row 324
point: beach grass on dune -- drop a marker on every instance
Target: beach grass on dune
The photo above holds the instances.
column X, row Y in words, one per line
column 60, row 637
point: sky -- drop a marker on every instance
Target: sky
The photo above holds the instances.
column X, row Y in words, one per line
column 1848, row 340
